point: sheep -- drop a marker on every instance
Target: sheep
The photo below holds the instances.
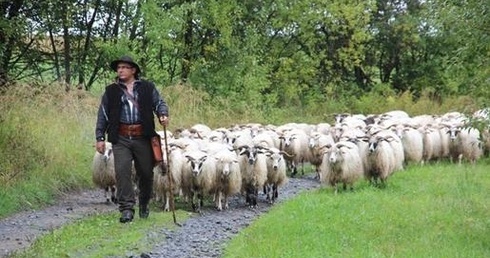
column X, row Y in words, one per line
column 323, row 128
column 358, row 137
column 482, row 118
column 276, row 173
column 340, row 118
column 228, row 177
column 381, row 159
column 422, row 120
column 316, row 146
column 412, row 141
column 253, row 166
column 347, row 124
column 263, row 139
column 345, row 165
column 213, row 147
column 432, row 143
column 198, row 177
column 201, row 130
column 296, row 144
column 394, row 114
column 161, row 184
column 103, row 173
column 465, row 143
column 239, row 138
column 397, row 147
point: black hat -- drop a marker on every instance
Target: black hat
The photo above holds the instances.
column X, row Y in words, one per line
column 125, row 59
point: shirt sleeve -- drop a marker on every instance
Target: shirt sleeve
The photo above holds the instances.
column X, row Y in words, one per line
column 159, row 104
column 102, row 118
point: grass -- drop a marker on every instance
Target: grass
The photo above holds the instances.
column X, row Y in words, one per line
column 103, row 236
column 46, row 148
column 432, row 211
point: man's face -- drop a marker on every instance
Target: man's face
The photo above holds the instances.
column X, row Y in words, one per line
column 125, row 71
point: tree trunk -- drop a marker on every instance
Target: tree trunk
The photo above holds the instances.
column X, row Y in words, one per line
column 187, row 56
column 9, row 10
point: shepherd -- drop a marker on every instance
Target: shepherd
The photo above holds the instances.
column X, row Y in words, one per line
column 126, row 115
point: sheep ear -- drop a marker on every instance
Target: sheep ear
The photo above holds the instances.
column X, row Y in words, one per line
column 203, row 158
column 389, row 139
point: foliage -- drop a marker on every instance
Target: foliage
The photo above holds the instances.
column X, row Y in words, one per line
column 264, row 54
column 438, row 210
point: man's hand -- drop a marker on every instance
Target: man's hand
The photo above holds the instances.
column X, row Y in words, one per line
column 163, row 120
column 100, row 147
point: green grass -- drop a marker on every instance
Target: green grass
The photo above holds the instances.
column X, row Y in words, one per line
column 103, row 236
column 46, row 148
column 432, row 211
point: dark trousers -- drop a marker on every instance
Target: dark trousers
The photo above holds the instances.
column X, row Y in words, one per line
column 125, row 151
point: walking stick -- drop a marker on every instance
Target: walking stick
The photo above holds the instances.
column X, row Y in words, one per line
column 169, row 175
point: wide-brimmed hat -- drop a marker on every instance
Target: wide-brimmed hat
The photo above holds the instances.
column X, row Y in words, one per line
column 127, row 60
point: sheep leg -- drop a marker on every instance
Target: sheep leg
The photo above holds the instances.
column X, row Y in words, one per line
column 303, row 167
column 194, row 206
column 275, row 193
column 294, row 169
column 267, row 192
column 106, row 194
column 226, row 201
column 200, row 196
column 317, row 170
column 218, row 200
column 254, row 197
column 166, row 199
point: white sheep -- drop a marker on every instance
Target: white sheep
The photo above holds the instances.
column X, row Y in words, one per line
column 396, row 145
column 161, row 183
column 482, row 116
column 295, row 142
column 276, row 173
column 432, row 143
column 103, row 173
column 316, row 146
column 228, row 177
column 239, row 138
column 345, row 165
column 465, row 143
column 412, row 141
column 382, row 161
column 198, row 177
column 253, row 166
column 201, row 130
column 358, row 137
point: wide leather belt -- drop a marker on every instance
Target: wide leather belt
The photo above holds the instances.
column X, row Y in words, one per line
column 133, row 130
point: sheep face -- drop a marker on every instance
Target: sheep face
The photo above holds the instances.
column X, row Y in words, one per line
column 225, row 166
column 373, row 143
column 289, row 140
column 276, row 159
column 337, row 154
column 196, row 165
column 251, row 153
column 107, row 154
column 453, row 133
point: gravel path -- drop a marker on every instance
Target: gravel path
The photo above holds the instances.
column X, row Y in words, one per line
column 200, row 236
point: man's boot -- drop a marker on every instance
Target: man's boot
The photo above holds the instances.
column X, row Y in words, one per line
column 144, row 211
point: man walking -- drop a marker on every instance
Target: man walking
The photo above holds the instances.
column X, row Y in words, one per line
column 126, row 115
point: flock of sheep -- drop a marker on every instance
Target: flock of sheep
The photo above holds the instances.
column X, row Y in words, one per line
column 248, row 158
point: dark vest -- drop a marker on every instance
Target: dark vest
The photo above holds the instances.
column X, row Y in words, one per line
column 145, row 103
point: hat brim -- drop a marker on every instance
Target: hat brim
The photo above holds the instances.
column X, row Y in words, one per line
column 115, row 63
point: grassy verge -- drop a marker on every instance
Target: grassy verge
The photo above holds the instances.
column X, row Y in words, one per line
column 432, row 211
column 103, row 236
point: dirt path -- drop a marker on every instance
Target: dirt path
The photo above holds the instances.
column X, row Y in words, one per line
column 199, row 236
